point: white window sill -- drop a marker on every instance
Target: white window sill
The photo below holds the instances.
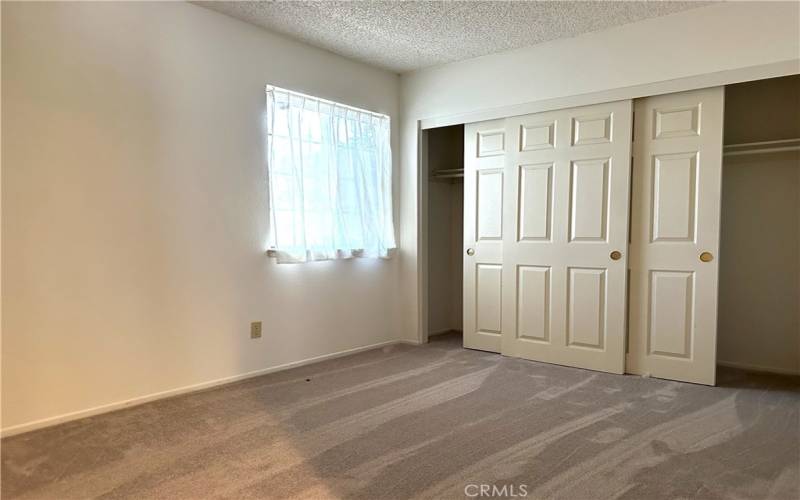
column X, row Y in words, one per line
column 344, row 254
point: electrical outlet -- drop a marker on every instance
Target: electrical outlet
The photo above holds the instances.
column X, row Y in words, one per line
column 255, row 330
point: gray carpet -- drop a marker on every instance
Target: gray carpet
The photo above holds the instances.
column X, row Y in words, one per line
column 428, row 422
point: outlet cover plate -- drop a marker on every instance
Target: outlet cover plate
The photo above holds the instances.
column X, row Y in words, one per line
column 255, row 330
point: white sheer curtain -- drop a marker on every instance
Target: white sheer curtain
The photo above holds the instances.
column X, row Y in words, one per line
column 330, row 179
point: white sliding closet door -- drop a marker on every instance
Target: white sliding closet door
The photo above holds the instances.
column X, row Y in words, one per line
column 675, row 235
column 484, row 159
column 565, row 235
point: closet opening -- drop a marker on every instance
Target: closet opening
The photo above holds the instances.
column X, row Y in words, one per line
column 444, row 155
column 759, row 267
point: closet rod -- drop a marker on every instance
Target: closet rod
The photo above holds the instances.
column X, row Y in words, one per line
column 751, row 148
column 448, row 174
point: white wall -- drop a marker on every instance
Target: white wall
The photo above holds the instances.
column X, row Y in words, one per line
column 441, row 294
column 457, row 259
column 759, row 266
column 134, row 208
column 716, row 38
column 445, row 262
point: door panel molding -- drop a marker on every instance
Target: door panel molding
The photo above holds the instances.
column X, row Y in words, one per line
column 534, row 202
column 533, row 303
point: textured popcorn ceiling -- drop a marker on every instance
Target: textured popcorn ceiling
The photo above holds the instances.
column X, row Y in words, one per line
column 405, row 35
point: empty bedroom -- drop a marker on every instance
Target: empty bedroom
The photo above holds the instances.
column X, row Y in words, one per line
column 400, row 250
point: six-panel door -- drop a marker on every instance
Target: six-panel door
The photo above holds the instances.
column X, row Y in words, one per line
column 484, row 160
column 675, row 235
column 565, row 233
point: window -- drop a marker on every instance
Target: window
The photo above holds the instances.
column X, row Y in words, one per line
column 330, row 179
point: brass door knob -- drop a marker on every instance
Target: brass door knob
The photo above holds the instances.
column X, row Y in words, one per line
column 706, row 257
column 616, row 255
column 470, row 251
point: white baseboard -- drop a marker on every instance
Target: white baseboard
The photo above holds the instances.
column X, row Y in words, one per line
column 97, row 410
column 757, row 368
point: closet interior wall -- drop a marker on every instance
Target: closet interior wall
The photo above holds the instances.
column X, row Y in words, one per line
column 445, row 228
column 759, row 284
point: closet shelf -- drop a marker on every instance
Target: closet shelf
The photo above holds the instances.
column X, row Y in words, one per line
column 451, row 173
column 752, row 148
